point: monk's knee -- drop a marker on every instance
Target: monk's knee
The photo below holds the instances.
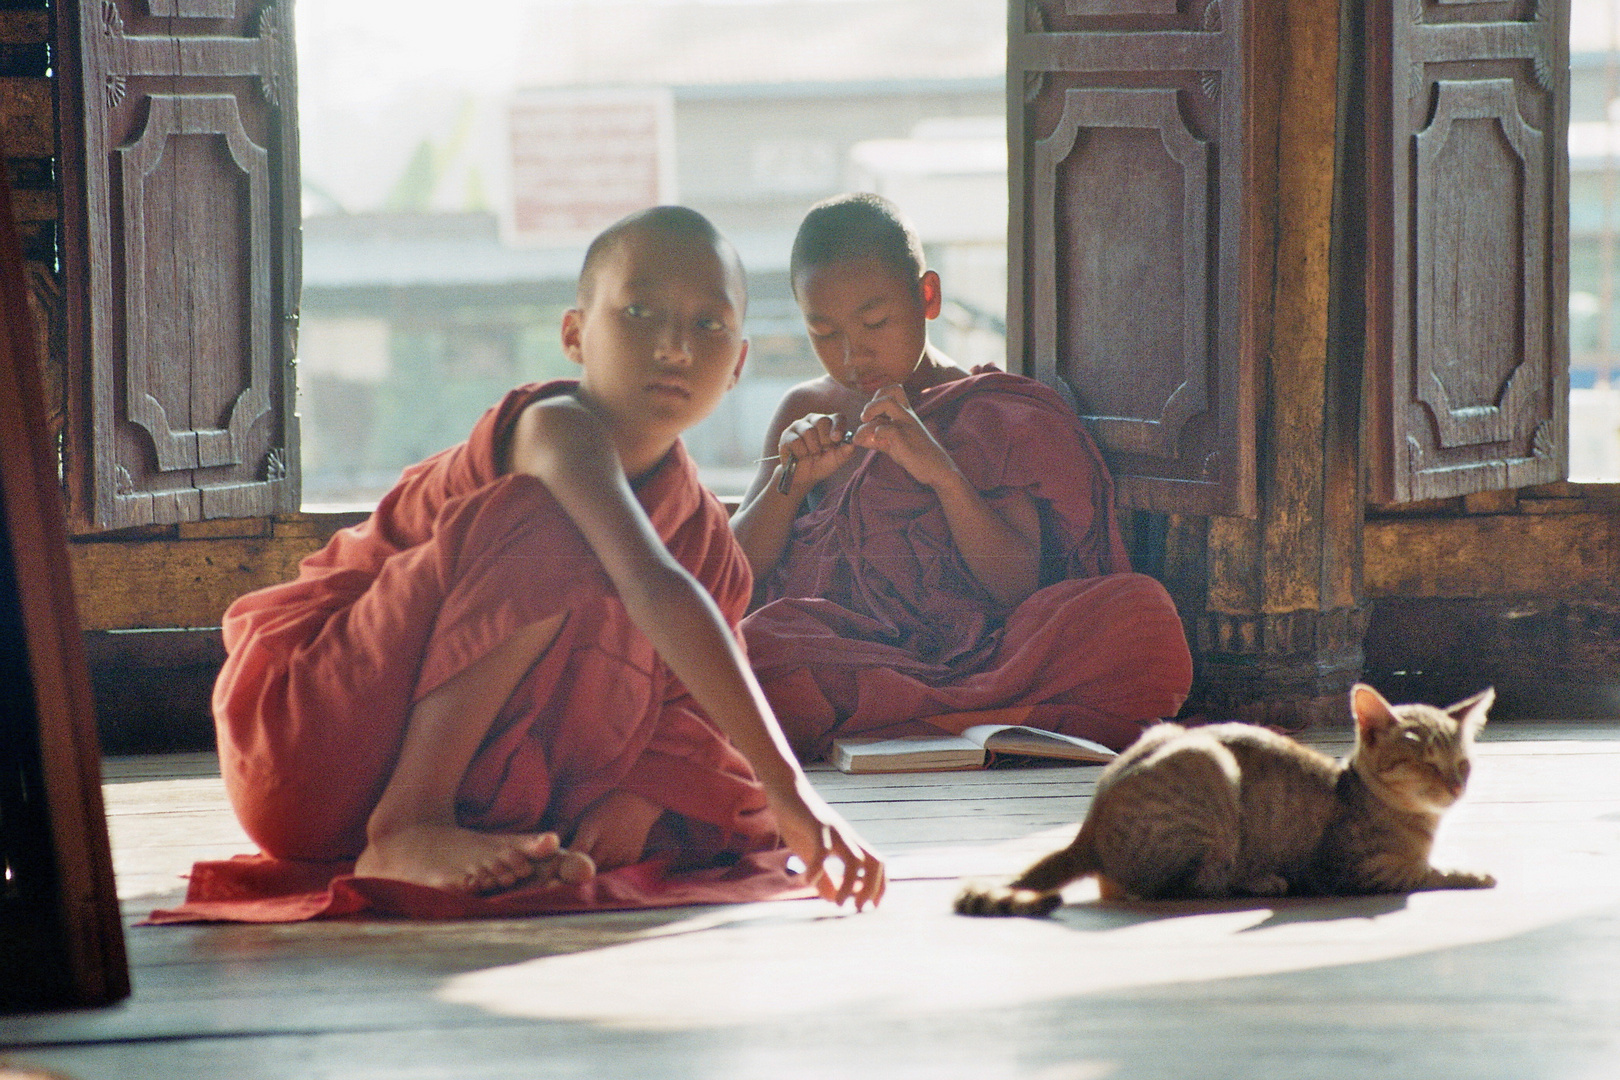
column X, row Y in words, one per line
column 293, row 821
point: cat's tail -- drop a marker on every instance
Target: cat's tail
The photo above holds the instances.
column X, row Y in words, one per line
column 1038, row 890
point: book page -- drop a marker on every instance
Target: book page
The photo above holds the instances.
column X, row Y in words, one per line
column 1037, row 742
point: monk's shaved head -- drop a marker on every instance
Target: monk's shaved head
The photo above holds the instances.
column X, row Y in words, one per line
column 678, row 223
column 847, row 228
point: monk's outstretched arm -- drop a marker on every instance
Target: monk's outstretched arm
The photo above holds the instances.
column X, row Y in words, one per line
column 1000, row 543
column 569, row 449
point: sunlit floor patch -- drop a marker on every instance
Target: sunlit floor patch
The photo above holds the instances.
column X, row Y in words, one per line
column 913, row 957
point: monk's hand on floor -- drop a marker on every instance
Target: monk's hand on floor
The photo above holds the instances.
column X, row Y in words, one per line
column 889, row 426
column 613, row 832
column 818, row 835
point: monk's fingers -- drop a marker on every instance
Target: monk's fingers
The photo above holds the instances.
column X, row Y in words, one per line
column 815, row 865
column 862, row 878
column 811, row 436
column 894, row 395
column 877, row 876
column 875, row 434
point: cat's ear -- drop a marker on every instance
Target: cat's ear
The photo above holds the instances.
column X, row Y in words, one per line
column 1373, row 714
column 1470, row 712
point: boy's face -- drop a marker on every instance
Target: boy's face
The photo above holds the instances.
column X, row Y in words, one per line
column 867, row 323
column 660, row 335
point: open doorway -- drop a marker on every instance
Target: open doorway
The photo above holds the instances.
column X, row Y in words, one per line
column 454, row 169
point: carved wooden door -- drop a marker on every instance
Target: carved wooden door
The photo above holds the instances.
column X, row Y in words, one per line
column 186, row 262
column 1133, row 257
column 1468, row 235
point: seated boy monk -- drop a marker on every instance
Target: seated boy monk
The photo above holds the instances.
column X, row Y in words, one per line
column 517, row 647
column 930, row 542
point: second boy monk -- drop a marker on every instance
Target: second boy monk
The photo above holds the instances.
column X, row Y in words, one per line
column 957, row 560
column 520, row 646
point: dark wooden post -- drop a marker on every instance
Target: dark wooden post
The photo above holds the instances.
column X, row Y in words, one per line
column 1275, row 605
column 61, row 939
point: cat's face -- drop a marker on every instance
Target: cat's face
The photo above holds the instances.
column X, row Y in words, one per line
column 1416, row 756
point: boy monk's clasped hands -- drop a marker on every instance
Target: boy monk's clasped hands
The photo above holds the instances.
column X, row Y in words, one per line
column 532, row 642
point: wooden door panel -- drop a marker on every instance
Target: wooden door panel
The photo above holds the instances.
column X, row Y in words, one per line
column 197, row 295
column 1468, row 349
column 1136, row 258
column 190, row 246
column 1118, row 183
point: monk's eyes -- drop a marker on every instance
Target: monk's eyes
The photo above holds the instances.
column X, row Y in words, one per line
column 880, row 324
column 637, row 311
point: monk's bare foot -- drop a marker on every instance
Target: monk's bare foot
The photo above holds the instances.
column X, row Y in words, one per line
column 463, row 860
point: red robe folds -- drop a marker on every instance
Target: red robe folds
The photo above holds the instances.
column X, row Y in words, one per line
column 874, row 623
column 312, row 703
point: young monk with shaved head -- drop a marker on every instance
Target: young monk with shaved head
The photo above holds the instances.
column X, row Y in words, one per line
column 936, row 548
column 523, row 666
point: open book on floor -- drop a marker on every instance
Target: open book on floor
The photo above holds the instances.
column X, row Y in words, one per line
column 980, row 747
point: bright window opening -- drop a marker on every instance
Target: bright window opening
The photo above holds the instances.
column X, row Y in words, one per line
column 454, row 169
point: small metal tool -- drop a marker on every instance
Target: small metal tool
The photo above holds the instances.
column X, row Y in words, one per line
column 784, row 483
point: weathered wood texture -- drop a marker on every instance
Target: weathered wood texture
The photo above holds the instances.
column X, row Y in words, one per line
column 1500, row 984
column 1518, row 588
column 1141, row 174
column 182, row 252
column 61, row 938
column 186, row 576
column 1468, row 351
column 1273, row 601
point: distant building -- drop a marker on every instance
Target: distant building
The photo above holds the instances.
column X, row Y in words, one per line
column 414, row 322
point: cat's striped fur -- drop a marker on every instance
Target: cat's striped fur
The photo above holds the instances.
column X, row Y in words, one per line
column 1237, row 810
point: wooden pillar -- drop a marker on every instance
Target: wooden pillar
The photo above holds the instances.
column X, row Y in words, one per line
column 1274, row 604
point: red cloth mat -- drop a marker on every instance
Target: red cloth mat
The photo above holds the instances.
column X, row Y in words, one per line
column 259, row 889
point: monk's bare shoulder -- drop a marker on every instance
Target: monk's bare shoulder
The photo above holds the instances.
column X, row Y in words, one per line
column 551, row 430
column 819, row 395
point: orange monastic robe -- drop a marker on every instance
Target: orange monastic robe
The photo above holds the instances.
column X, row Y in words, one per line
column 322, row 672
column 876, row 626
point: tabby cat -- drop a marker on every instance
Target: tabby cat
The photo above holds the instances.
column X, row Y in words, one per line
column 1237, row 810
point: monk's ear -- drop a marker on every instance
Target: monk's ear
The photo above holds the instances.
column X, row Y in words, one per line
column 1373, row 714
column 742, row 358
column 931, row 293
column 571, row 336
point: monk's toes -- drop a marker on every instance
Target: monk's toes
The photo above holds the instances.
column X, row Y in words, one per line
column 575, row 867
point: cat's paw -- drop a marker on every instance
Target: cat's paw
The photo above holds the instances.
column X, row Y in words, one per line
column 1458, row 879
column 1000, row 900
column 1463, row 879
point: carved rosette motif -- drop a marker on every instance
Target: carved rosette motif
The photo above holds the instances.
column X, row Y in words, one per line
column 1542, row 443
column 263, row 56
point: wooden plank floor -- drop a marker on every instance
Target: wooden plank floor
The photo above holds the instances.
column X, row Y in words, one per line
column 1519, row 982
